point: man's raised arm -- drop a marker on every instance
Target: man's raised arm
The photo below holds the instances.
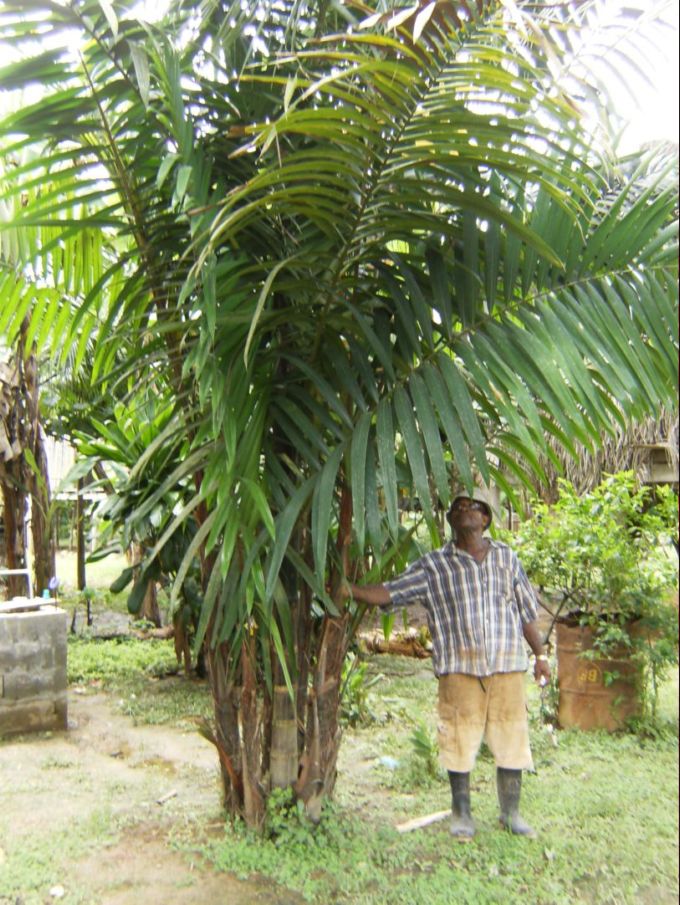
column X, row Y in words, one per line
column 372, row 594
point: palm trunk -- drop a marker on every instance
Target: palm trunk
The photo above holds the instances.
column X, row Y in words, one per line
column 226, row 704
column 23, row 471
column 42, row 536
column 262, row 743
column 250, row 731
column 150, row 610
column 323, row 731
column 267, row 741
column 283, row 758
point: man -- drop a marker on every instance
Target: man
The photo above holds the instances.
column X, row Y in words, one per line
column 480, row 608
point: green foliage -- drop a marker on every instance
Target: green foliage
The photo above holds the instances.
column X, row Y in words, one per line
column 116, row 661
column 607, row 559
column 387, row 623
column 426, row 749
column 252, row 227
column 278, row 291
column 355, row 687
column 288, row 826
column 607, row 553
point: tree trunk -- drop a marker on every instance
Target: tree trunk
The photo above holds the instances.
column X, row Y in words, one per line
column 14, row 509
column 262, row 743
column 269, row 740
column 322, row 742
column 150, row 610
column 44, row 566
column 23, row 470
column 42, row 536
column 284, row 759
column 225, row 701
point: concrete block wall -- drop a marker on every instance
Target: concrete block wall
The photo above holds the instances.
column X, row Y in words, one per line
column 33, row 670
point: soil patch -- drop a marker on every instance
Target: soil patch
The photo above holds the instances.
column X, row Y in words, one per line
column 144, row 785
column 156, row 874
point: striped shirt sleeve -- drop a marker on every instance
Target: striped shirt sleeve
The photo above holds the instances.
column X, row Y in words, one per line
column 524, row 592
column 410, row 587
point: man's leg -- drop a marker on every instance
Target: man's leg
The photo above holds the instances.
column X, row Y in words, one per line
column 462, row 824
column 462, row 715
column 507, row 734
column 509, row 785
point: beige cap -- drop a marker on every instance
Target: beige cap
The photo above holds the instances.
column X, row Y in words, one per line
column 477, row 494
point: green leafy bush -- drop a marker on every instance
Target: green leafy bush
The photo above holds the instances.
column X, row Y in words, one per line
column 356, row 684
column 606, row 559
column 608, row 553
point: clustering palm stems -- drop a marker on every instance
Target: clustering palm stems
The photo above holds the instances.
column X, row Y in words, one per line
column 356, row 250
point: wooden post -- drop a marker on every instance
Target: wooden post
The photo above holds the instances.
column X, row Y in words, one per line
column 80, row 538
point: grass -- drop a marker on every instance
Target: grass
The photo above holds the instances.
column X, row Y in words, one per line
column 606, row 806
column 142, row 676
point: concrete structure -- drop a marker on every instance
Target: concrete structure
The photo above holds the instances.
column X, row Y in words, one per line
column 32, row 666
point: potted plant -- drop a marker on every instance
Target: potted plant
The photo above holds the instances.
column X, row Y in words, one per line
column 606, row 562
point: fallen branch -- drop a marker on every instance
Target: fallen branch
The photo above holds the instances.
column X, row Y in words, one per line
column 162, row 634
column 166, row 797
column 419, row 822
column 407, row 646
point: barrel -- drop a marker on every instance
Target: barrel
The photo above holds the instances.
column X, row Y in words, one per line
column 588, row 698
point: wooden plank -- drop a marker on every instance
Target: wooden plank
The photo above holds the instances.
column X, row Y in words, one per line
column 418, row 823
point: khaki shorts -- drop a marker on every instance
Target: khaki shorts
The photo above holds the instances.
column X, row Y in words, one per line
column 493, row 710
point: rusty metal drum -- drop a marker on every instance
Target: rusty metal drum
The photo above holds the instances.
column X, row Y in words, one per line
column 594, row 693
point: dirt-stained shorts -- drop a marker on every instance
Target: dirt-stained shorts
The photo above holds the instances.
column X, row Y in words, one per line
column 492, row 709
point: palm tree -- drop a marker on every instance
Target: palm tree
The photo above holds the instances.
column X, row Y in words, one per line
column 362, row 247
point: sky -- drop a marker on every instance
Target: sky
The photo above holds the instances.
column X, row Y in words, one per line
column 651, row 107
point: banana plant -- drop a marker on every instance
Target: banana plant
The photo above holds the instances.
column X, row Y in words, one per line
column 137, row 459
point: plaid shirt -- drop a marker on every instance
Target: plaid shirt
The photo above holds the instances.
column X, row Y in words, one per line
column 475, row 611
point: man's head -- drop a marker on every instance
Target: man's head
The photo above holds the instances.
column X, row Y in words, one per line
column 474, row 505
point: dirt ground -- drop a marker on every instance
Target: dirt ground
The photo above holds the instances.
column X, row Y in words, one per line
column 151, row 781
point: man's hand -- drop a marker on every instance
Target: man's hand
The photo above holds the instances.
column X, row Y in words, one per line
column 371, row 594
column 343, row 592
column 542, row 672
column 535, row 642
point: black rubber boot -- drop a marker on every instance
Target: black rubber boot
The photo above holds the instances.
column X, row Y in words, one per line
column 462, row 824
column 509, row 784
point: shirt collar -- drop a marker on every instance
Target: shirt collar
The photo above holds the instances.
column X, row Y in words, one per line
column 454, row 551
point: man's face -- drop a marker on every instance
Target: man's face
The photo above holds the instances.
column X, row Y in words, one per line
column 467, row 513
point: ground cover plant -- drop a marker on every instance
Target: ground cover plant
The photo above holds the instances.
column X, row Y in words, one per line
column 606, row 805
